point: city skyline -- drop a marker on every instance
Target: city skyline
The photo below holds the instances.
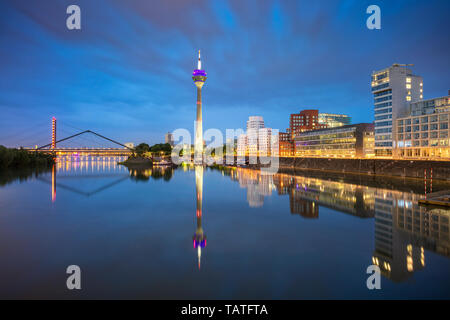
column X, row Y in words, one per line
column 125, row 80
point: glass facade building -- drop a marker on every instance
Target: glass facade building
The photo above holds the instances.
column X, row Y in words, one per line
column 351, row 141
column 334, row 120
column 393, row 89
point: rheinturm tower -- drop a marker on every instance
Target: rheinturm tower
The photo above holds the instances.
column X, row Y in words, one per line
column 199, row 77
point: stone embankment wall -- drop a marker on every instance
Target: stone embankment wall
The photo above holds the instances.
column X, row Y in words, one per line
column 399, row 168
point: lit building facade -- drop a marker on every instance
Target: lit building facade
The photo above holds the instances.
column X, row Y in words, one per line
column 254, row 123
column 264, row 141
column 285, row 144
column 351, row 141
column 393, row 89
column 258, row 140
column 424, row 134
column 334, row 120
column 242, row 146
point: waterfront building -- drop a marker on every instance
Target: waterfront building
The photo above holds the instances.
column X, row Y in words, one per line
column 199, row 77
column 264, row 141
column 393, row 88
column 334, row 120
column 254, row 123
column 169, row 138
column 351, row 141
column 274, row 145
column 242, row 150
column 424, row 134
column 258, row 140
column 305, row 120
column 285, row 145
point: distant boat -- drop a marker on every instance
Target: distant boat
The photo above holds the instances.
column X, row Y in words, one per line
column 163, row 163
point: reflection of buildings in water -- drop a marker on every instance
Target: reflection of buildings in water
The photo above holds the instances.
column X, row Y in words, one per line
column 155, row 173
column 305, row 208
column 403, row 230
column 306, row 194
column 258, row 185
column 349, row 198
column 199, row 237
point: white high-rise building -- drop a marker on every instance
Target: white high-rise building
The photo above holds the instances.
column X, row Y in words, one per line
column 254, row 123
column 264, row 141
column 275, row 144
column 393, row 88
column 242, row 145
column 258, row 141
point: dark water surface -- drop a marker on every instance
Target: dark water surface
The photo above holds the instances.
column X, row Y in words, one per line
column 217, row 234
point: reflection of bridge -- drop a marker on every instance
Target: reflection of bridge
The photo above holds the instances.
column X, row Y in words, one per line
column 54, row 184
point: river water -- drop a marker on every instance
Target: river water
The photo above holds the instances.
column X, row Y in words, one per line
column 205, row 233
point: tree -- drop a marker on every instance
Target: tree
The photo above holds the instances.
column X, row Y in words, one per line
column 142, row 148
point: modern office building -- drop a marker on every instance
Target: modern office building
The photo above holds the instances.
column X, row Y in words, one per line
column 242, row 145
column 265, row 141
column 304, row 121
column 424, row 134
column 254, row 123
column 307, row 120
column 351, row 141
column 274, row 145
column 285, row 145
column 334, row 120
column 393, row 88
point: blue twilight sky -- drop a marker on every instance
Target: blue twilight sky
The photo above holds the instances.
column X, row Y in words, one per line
column 127, row 73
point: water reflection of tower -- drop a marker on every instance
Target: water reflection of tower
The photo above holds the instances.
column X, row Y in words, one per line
column 54, row 183
column 199, row 237
column 395, row 252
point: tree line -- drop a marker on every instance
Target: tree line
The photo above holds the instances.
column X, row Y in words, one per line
column 17, row 158
column 156, row 149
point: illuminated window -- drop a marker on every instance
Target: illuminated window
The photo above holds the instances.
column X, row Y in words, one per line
column 408, row 86
column 408, row 80
column 421, row 84
column 408, row 98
